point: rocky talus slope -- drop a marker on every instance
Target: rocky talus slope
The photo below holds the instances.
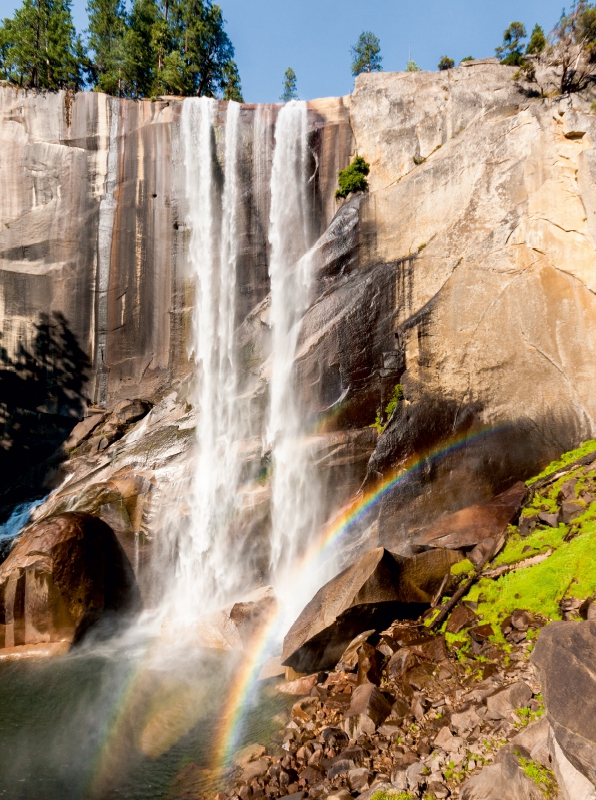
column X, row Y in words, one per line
column 490, row 700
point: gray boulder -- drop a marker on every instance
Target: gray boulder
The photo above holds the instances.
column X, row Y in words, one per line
column 504, row 781
column 565, row 657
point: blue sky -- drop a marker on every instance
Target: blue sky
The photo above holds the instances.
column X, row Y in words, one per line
column 314, row 36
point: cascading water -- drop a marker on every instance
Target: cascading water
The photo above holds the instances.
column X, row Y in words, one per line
column 294, row 492
column 205, row 579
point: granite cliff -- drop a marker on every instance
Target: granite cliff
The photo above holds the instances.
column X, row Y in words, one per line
column 466, row 276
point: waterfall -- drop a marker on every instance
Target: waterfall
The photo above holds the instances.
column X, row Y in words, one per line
column 294, row 498
column 205, row 578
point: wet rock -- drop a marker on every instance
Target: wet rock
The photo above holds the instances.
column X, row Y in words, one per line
column 61, row 577
column 255, row 769
column 130, row 411
column 251, row 752
column 565, row 657
column 432, row 649
column 82, row 430
column 368, row 709
column 359, row 779
column 399, row 663
column 349, row 658
column 552, row 520
column 462, row 617
column 500, row 781
column 299, row 687
column 569, row 511
column 465, row 529
column 503, row 703
column 375, row 590
column 448, row 742
column 370, row 661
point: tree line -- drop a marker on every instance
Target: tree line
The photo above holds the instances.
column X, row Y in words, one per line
column 569, row 51
column 177, row 47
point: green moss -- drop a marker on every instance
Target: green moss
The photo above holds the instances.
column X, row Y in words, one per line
column 381, row 795
column 464, row 567
column 539, row 588
column 565, row 460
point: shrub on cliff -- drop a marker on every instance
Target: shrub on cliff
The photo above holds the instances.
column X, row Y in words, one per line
column 366, row 54
column 290, row 92
column 571, row 52
column 446, row 63
column 353, row 178
column 537, row 43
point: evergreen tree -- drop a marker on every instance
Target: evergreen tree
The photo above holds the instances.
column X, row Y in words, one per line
column 413, row 67
column 40, row 48
column 511, row 51
column 232, row 88
column 139, row 47
column 107, row 29
column 446, row 63
column 194, row 53
column 366, row 54
column 537, row 42
column 289, row 92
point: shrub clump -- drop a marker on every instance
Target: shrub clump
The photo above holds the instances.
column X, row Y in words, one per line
column 353, row 178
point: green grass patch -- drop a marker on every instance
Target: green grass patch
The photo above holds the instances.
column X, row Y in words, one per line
column 381, row 795
column 565, row 460
column 542, row 777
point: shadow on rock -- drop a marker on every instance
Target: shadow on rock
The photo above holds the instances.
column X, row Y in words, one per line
column 41, row 399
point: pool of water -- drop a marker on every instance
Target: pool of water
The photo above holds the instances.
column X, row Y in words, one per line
column 121, row 722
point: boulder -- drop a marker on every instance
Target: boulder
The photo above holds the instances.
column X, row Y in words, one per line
column 62, row 575
column 467, row 528
column 503, row 703
column 501, row 781
column 573, row 785
column 565, row 657
column 462, row 617
column 370, row 594
column 369, row 709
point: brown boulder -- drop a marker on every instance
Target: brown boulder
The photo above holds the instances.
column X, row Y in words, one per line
column 369, row 709
column 378, row 588
column 63, row 574
column 467, row 528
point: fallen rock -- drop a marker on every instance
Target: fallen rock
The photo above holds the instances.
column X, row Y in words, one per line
column 465, row 529
column 359, row 779
column 504, row 702
column 399, row 663
column 299, row 687
column 462, row 617
column 368, row 709
column 552, row 520
column 370, row 662
column 61, row 576
column 448, row 742
column 504, row 781
column 374, row 591
column 535, row 739
column 349, row 657
column 431, row 649
column 565, row 657
column 251, row 752
column 255, row 769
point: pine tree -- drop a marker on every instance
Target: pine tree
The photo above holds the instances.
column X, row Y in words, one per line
column 107, row 29
column 413, row 67
column 511, row 52
column 194, row 51
column 139, row 47
column 537, row 42
column 289, row 92
column 232, row 89
column 366, row 54
column 40, row 47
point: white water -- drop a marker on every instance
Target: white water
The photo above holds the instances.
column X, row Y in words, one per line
column 294, row 486
column 205, row 579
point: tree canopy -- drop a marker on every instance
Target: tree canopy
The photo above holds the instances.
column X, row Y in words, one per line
column 160, row 47
column 446, row 63
column 412, row 66
column 366, row 54
column 290, row 92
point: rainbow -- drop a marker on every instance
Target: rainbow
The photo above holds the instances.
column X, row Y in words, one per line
column 244, row 684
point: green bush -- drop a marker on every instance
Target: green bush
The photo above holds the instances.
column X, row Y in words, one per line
column 353, row 178
column 446, row 63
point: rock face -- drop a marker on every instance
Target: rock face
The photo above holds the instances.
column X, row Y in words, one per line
column 565, row 656
column 371, row 593
column 62, row 576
